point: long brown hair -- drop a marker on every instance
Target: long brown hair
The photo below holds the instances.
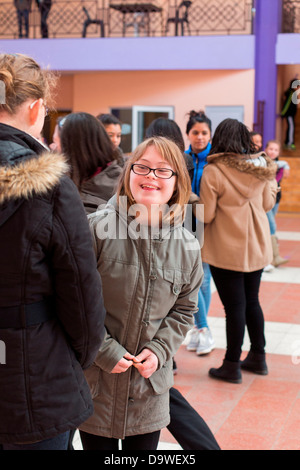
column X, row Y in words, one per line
column 86, row 145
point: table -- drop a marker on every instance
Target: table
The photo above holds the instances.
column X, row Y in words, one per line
column 136, row 8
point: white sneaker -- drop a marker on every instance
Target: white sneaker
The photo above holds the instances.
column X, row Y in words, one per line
column 194, row 340
column 269, row 268
column 206, row 342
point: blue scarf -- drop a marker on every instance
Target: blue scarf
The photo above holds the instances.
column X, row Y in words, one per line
column 200, row 161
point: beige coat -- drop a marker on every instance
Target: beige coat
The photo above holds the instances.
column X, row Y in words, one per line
column 236, row 195
column 150, row 288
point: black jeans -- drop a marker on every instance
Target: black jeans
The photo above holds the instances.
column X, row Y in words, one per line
column 239, row 294
column 187, row 426
column 140, row 442
column 23, row 15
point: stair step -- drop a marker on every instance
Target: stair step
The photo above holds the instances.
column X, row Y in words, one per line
column 290, row 200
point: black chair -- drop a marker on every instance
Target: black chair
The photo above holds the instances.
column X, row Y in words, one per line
column 89, row 21
column 181, row 17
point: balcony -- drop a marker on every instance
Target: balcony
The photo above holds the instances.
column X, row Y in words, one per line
column 133, row 18
column 291, row 16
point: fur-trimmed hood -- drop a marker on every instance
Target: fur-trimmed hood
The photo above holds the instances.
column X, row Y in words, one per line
column 26, row 166
column 36, row 175
column 252, row 170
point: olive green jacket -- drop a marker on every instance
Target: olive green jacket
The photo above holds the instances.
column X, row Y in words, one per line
column 150, row 288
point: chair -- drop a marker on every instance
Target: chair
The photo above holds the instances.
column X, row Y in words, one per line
column 181, row 17
column 89, row 21
column 138, row 24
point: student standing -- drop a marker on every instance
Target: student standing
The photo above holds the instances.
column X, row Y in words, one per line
column 236, row 193
column 273, row 150
column 198, row 131
column 144, row 257
column 95, row 163
column 51, row 306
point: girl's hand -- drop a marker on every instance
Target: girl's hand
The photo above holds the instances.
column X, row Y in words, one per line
column 146, row 363
column 123, row 364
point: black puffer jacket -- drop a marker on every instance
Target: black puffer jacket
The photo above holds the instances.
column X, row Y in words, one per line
column 51, row 309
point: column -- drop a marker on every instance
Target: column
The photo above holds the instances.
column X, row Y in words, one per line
column 267, row 25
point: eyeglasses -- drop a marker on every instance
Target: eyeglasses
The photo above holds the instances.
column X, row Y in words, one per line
column 46, row 108
column 143, row 170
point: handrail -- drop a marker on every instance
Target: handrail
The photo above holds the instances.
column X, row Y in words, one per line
column 66, row 18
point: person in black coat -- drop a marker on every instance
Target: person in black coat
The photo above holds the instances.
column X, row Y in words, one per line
column 289, row 111
column 51, row 305
column 23, row 8
column 44, row 7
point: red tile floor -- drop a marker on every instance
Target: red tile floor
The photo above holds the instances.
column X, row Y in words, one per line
column 262, row 413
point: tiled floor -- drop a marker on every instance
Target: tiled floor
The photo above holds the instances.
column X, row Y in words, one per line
column 262, row 413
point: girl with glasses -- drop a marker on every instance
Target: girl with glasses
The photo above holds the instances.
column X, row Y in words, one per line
column 150, row 284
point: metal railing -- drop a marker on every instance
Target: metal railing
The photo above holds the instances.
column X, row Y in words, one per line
column 66, row 18
column 291, row 16
column 258, row 126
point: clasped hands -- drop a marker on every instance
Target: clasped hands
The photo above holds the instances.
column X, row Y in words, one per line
column 146, row 362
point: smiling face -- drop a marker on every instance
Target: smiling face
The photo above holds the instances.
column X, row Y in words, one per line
column 272, row 150
column 199, row 136
column 149, row 189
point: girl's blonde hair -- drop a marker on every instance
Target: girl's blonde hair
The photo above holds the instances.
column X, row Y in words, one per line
column 23, row 79
column 170, row 152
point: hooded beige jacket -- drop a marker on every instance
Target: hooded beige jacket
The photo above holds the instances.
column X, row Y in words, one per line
column 237, row 192
column 150, row 288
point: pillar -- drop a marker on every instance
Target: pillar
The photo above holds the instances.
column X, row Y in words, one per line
column 267, row 24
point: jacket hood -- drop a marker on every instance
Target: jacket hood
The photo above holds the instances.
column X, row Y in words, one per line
column 253, row 170
column 26, row 167
column 36, row 175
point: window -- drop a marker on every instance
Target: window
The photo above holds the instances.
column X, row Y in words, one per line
column 218, row 113
column 135, row 121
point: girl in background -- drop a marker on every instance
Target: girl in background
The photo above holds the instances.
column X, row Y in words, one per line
column 113, row 127
column 237, row 190
column 95, row 167
column 283, row 169
column 198, row 131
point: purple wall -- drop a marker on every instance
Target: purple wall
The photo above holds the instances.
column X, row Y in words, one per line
column 267, row 26
column 288, row 49
column 172, row 53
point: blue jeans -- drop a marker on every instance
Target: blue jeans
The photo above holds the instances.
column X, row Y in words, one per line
column 204, row 298
column 59, row 442
column 271, row 217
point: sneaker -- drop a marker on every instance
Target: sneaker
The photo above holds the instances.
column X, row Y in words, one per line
column 269, row 268
column 194, row 340
column 206, row 342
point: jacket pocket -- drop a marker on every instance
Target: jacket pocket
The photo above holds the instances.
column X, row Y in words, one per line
column 176, row 278
column 92, row 378
column 162, row 380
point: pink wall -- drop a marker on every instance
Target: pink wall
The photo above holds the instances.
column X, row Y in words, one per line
column 96, row 92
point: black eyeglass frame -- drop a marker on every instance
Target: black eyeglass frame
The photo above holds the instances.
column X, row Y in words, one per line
column 154, row 171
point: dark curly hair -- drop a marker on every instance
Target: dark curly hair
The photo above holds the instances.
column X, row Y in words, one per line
column 232, row 136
